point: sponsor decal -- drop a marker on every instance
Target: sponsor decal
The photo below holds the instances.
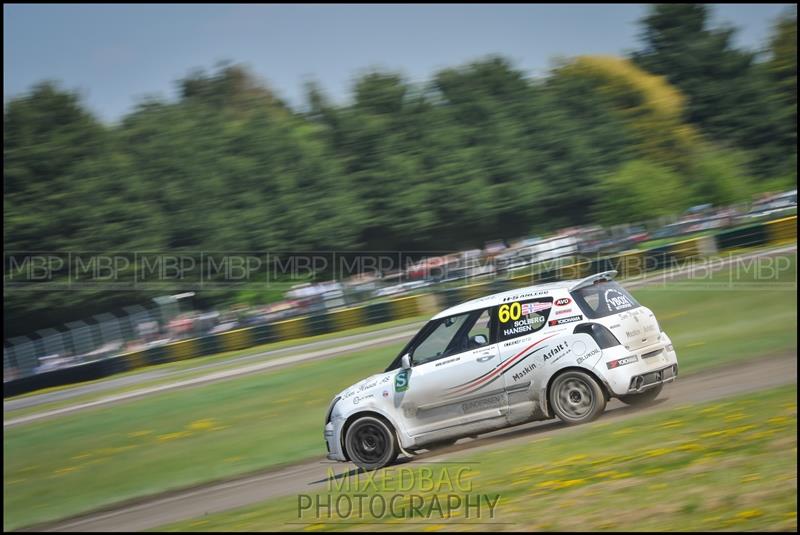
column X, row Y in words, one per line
column 631, row 334
column 564, row 311
column 367, row 386
column 523, row 372
column 359, row 399
column 616, row 301
column 556, row 351
column 523, row 296
column 447, row 361
column 562, row 321
column 621, row 362
column 523, row 326
column 590, row 354
column 401, row 381
column 563, row 301
column 532, row 308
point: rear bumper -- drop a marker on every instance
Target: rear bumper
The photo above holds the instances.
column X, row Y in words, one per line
column 646, row 381
column 643, row 368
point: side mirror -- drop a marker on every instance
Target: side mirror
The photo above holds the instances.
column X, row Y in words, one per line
column 406, row 361
column 479, row 340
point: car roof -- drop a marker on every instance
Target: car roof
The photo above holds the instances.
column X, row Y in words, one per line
column 512, row 295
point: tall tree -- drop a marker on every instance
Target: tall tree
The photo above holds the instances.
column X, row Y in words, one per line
column 727, row 97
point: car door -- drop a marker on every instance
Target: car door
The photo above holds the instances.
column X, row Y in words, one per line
column 440, row 394
column 524, row 341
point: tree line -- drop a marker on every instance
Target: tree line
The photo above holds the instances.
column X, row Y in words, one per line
column 478, row 152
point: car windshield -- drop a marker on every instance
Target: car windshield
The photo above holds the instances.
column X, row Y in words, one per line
column 604, row 299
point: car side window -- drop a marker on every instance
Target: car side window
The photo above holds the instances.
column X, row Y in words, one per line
column 436, row 344
column 453, row 335
column 522, row 317
column 482, row 327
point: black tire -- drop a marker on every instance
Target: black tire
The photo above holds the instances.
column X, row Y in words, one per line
column 576, row 398
column 371, row 443
column 643, row 398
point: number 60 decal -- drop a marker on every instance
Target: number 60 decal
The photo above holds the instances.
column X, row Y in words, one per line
column 509, row 312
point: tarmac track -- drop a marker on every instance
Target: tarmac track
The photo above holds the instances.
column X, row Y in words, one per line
column 758, row 373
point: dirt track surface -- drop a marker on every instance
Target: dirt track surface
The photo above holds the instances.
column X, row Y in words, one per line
column 758, row 373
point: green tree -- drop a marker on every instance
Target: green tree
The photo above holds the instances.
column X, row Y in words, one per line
column 728, row 96
column 640, row 191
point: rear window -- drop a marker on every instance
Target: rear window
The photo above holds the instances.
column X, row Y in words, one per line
column 604, row 299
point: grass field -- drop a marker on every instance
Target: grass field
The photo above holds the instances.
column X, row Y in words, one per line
column 78, row 462
column 728, row 465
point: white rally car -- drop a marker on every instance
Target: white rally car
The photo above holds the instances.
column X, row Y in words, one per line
column 560, row 349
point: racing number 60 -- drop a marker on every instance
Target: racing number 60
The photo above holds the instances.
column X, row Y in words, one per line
column 509, row 312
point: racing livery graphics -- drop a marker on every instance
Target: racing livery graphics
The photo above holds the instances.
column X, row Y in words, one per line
column 502, row 360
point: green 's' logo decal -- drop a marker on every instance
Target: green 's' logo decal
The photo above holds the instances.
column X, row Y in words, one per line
column 401, row 381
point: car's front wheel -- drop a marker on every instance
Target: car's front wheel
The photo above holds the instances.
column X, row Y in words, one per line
column 371, row 443
column 576, row 398
column 642, row 398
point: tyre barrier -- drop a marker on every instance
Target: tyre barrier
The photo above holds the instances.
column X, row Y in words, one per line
column 338, row 320
column 782, row 230
column 749, row 236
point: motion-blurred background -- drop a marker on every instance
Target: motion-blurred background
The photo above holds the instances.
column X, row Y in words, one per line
column 483, row 172
column 685, row 133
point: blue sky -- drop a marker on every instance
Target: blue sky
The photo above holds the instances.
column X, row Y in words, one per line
column 117, row 54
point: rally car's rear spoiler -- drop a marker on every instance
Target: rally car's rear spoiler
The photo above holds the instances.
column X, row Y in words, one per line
column 591, row 279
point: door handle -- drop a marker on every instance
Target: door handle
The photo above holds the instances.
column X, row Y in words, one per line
column 485, row 357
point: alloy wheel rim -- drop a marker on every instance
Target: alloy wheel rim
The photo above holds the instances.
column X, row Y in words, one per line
column 574, row 398
column 369, row 442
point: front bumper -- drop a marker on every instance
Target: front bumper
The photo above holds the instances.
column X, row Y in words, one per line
column 333, row 441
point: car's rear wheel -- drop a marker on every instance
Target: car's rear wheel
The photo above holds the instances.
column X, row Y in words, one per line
column 371, row 443
column 576, row 398
column 642, row 398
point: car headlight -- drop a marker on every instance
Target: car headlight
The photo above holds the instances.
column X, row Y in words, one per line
column 330, row 409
